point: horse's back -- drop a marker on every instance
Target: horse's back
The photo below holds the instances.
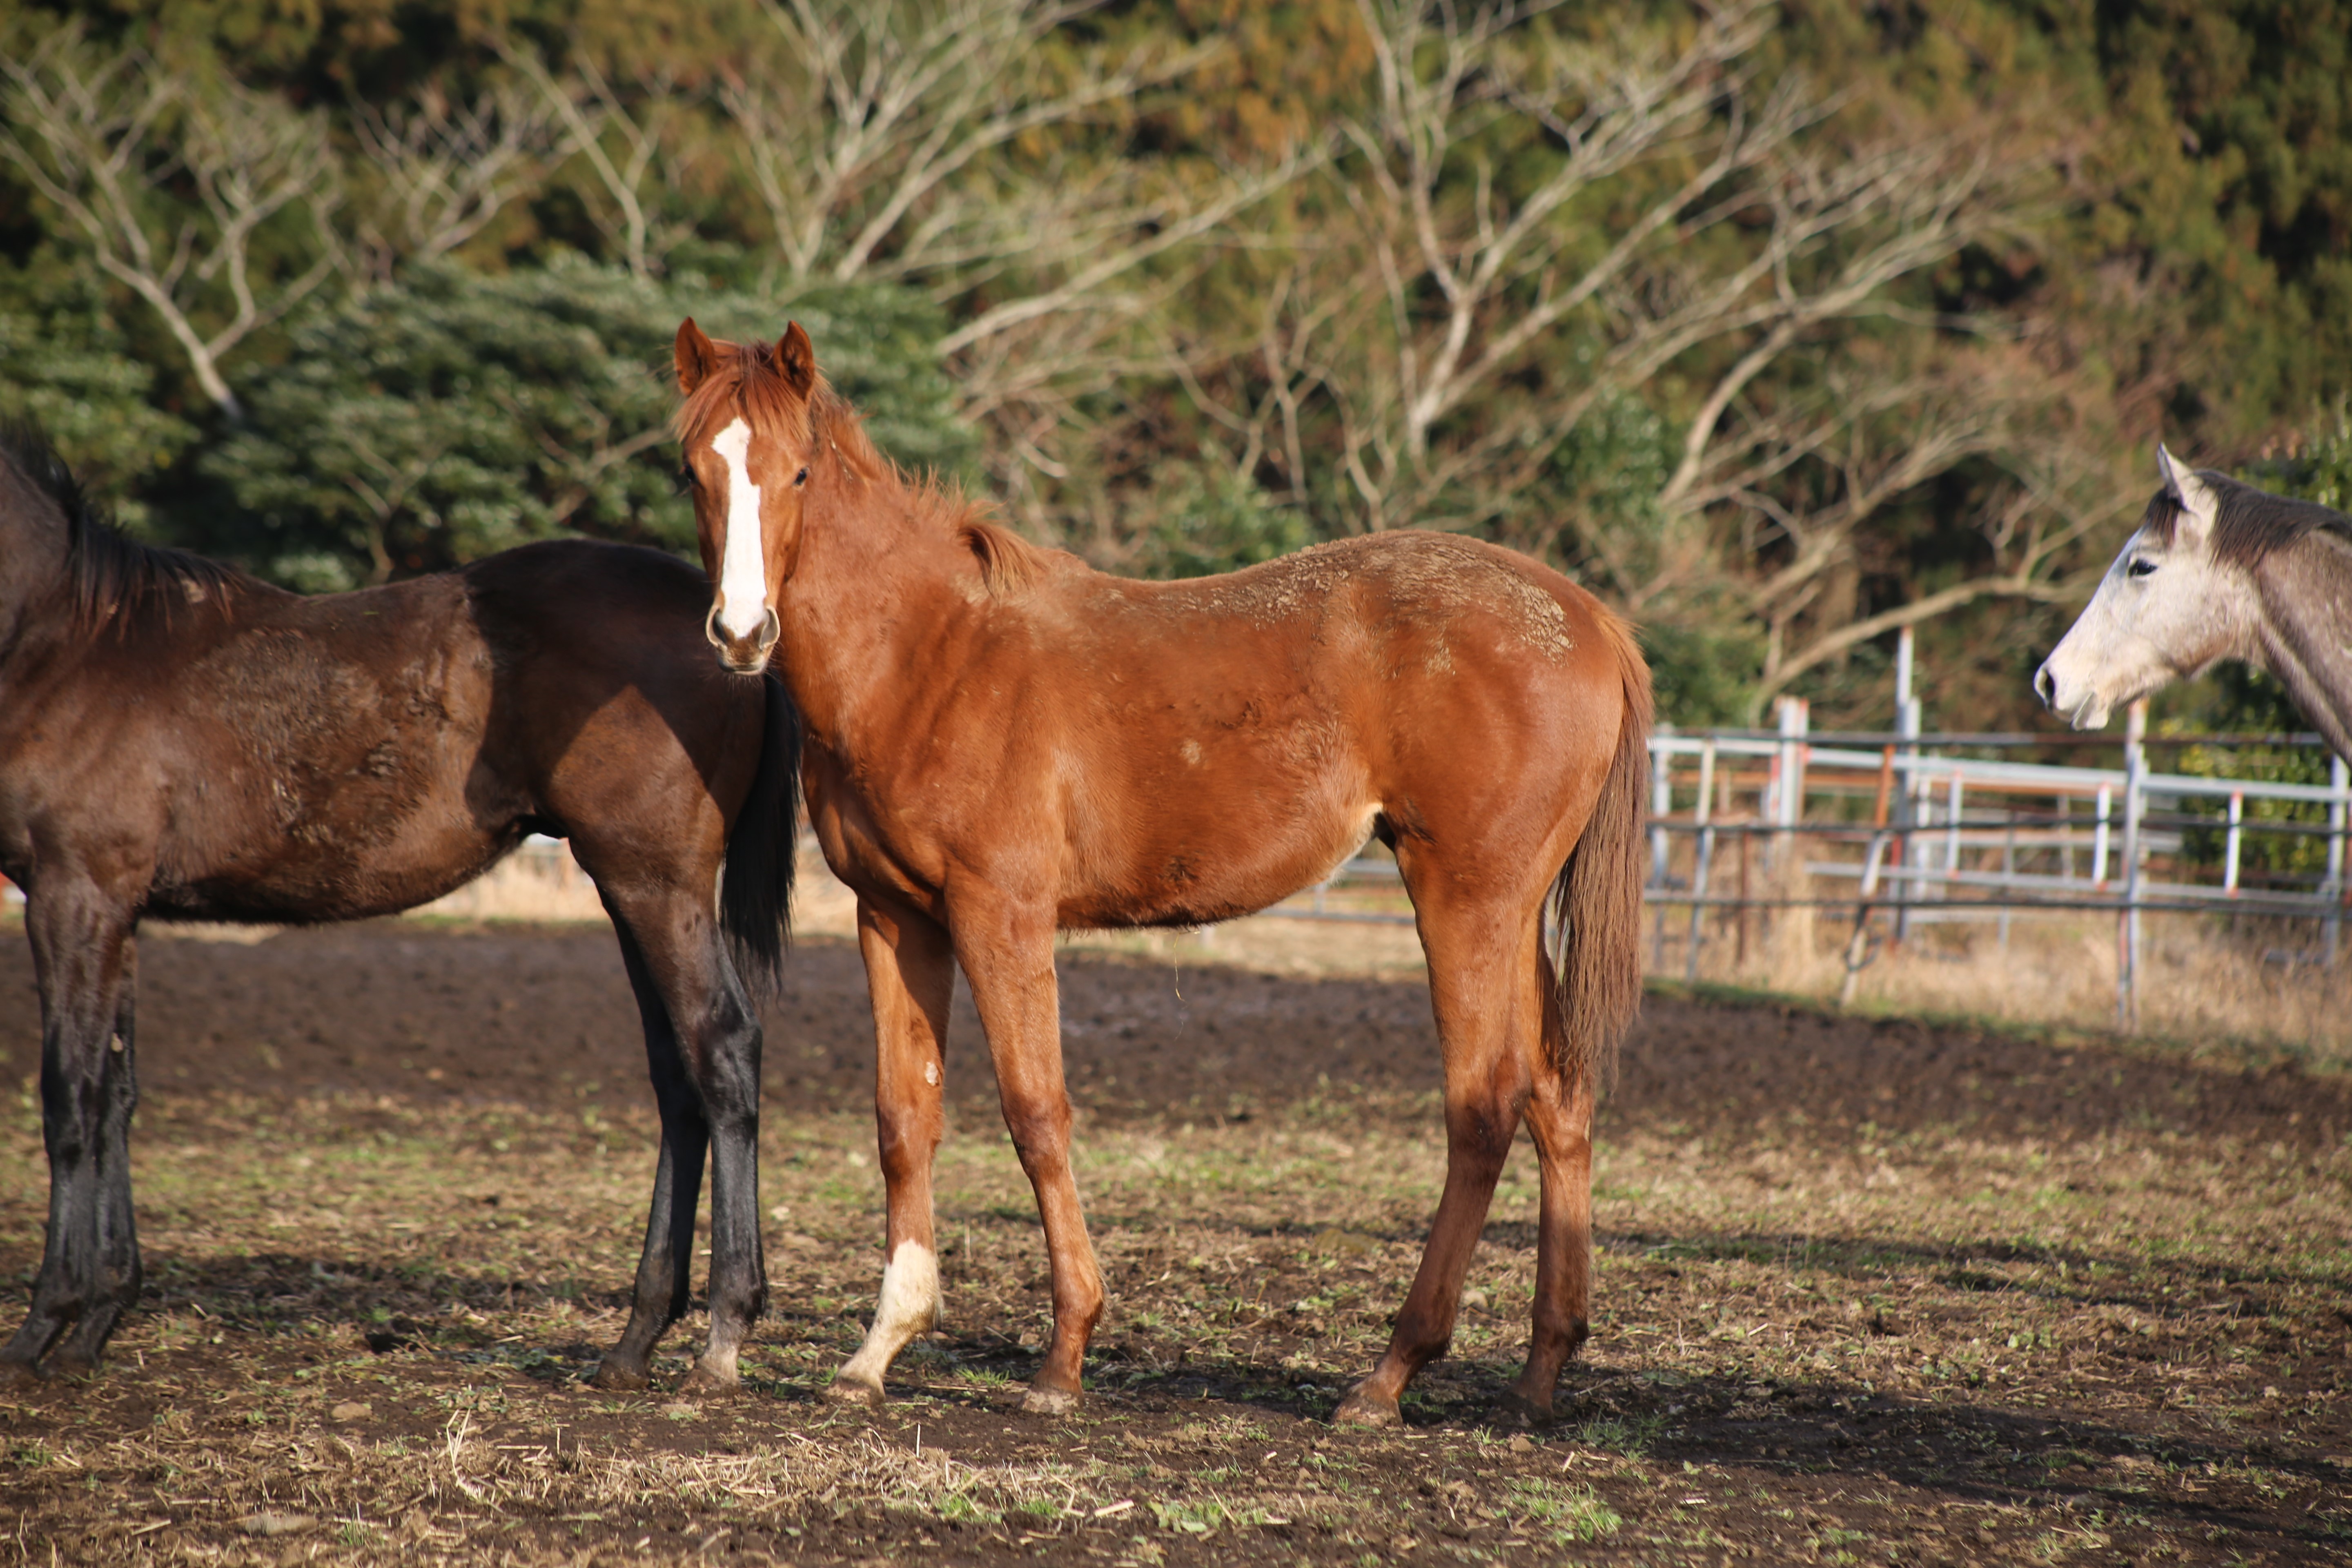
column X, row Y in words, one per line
column 1405, row 640
column 1241, row 735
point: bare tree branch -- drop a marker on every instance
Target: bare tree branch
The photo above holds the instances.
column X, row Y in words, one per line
column 103, row 140
column 448, row 169
column 624, row 142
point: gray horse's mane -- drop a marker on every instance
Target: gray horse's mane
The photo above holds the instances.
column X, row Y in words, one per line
column 2251, row 522
column 111, row 572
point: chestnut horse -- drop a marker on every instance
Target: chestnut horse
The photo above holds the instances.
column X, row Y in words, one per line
column 1000, row 742
column 180, row 740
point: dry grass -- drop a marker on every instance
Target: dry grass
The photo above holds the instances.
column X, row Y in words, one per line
column 2203, row 985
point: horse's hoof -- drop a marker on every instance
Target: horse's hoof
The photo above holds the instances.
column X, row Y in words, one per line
column 702, row 1381
column 1041, row 1401
column 1364, row 1409
column 19, row 1374
column 1527, row 1412
column 614, row 1378
column 72, row 1367
column 850, row 1391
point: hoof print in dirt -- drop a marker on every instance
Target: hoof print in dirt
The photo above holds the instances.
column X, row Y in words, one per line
column 702, row 1384
column 618, row 1380
column 849, row 1391
column 1518, row 1410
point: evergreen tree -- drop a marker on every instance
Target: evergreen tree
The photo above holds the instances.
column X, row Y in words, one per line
column 449, row 414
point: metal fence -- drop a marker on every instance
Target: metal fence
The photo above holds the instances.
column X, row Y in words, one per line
column 1901, row 829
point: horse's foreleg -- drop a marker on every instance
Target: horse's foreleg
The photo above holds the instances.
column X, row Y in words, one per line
column 910, row 974
column 89, row 1264
column 1486, row 1083
column 659, row 1297
column 1559, row 1115
column 120, row 1273
column 1008, row 955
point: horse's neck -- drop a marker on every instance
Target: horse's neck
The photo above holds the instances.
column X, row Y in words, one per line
column 2305, row 591
column 875, row 592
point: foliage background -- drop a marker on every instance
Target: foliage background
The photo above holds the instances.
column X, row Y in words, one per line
column 1185, row 283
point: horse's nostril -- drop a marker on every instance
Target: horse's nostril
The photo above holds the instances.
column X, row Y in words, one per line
column 2043, row 684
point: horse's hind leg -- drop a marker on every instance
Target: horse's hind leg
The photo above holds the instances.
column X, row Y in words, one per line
column 1559, row 1116
column 910, row 974
column 89, row 1267
column 1475, row 966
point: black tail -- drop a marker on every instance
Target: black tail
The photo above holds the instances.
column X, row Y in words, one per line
column 755, row 891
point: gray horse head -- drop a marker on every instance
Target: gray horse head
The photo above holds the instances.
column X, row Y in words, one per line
column 2215, row 569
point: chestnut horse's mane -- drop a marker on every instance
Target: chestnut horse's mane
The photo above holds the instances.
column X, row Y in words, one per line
column 749, row 383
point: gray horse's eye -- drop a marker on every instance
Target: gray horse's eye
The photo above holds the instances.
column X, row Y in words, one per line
column 2141, row 566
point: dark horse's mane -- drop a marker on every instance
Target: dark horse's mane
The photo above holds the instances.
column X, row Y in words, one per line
column 111, row 571
column 2250, row 523
column 752, row 382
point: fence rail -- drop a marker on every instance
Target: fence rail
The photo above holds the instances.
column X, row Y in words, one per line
column 1771, row 821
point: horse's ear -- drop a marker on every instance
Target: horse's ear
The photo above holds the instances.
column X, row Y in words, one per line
column 696, row 355
column 796, row 357
column 2199, row 505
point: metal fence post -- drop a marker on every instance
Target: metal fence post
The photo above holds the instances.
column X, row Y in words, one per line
column 2339, row 779
column 1703, row 818
column 2128, row 936
column 2230, row 852
column 1906, row 727
column 1788, row 776
column 2099, row 838
column 1662, row 805
column 1952, row 835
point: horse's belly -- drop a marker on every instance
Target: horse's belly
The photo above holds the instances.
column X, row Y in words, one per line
column 347, row 852
column 1222, row 870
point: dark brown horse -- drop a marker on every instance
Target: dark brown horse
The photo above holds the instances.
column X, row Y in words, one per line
column 1002, row 742
column 180, row 740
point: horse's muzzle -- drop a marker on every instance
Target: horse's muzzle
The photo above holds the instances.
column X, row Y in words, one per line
column 743, row 656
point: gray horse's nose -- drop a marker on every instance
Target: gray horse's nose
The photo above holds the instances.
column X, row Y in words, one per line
column 2045, row 685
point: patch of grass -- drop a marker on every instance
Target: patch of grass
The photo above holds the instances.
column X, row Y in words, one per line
column 1574, row 1511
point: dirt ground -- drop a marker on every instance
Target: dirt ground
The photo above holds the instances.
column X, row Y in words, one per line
column 1870, row 1291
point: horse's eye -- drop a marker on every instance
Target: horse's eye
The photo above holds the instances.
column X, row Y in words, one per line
column 2141, row 566
column 800, row 479
column 686, row 481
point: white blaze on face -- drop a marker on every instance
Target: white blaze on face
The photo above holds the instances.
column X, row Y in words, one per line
column 909, row 1306
column 744, row 568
